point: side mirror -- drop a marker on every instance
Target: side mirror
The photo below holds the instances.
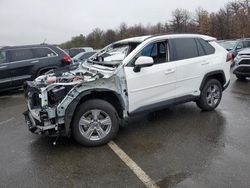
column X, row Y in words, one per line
column 143, row 61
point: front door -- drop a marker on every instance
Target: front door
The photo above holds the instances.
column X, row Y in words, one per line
column 152, row 85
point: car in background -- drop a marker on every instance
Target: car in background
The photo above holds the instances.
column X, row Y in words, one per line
column 234, row 46
column 242, row 64
column 83, row 56
column 21, row 63
column 74, row 51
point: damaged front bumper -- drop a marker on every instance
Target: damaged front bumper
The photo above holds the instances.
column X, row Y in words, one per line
column 40, row 120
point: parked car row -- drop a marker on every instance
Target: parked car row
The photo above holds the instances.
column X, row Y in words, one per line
column 240, row 51
column 234, row 46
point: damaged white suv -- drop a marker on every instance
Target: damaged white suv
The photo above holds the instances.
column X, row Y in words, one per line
column 125, row 78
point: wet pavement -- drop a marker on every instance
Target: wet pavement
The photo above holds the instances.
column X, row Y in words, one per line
column 177, row 147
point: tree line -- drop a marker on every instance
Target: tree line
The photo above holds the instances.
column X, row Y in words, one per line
column 231, row 21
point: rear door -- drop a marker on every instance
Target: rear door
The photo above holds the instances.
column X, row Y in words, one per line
column 21, row 61
column 190, row 65
column 46, row 59
column 5, row 76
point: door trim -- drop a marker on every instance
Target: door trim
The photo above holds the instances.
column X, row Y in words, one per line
column 164, row 104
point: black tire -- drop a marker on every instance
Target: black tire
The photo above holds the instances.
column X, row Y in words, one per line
column 203, row 102
column 88, row 107
column 241, row 77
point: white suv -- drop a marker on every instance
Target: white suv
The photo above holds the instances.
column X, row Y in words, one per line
column 126, row 78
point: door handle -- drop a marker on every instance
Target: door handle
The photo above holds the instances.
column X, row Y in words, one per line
column 2, row 67
column 205, row 63
column 34, row 61
column 169, row 71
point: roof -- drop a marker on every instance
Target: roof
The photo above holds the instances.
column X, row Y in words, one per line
column 205, row 37
column 24, row 46
column 143, row 38
column 134, row 39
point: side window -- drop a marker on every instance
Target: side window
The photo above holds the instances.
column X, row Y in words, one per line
column 42, row 52
column 183, row 48
column 246, row 44
column 3, row 57
column 207, row 47
column 148, row 50
column 20, row 54
column 158, row 51
column 239, row 45
column 201, row 51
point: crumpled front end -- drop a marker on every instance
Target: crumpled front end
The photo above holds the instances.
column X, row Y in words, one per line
column 48, row 97
column 40, row 119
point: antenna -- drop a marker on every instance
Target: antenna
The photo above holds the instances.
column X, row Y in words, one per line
column 44, row 41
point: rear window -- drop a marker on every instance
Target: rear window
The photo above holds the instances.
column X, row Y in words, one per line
column 43, row 52
column 201, row 50
column 183, row 48
column 246, row 44
column 20, row 54
column 207, row 47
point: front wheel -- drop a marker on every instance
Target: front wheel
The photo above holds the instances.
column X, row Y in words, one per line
column 95, row 123
column 211, row 95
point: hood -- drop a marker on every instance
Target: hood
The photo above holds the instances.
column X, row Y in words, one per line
column 245, row 52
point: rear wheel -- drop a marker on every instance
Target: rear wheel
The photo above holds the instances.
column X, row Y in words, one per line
column 241, row 77
column 95, row 123
column 211, row 95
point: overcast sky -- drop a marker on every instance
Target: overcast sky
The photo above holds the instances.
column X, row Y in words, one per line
column 32, row 21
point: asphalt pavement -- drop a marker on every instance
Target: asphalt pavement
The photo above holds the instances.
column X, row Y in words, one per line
column 176, row 147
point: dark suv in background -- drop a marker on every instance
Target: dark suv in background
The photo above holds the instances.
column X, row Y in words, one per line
column 22, row 63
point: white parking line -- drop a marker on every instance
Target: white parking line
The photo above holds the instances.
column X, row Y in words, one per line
column 6, row 121
column 148, row 182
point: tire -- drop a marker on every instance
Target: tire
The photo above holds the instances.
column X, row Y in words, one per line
column 95, row 123
column 241, row 77
column 210, row 96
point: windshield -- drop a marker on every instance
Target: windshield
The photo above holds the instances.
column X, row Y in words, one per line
column 113, row 55
column 78, row 56
column 228, row 45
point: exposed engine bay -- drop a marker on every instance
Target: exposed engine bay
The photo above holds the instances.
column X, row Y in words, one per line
column 46, row 92
column 53, row 97
column 49, row 96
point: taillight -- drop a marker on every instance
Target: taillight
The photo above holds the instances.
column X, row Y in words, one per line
column 67, row 59
column 229, row 56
